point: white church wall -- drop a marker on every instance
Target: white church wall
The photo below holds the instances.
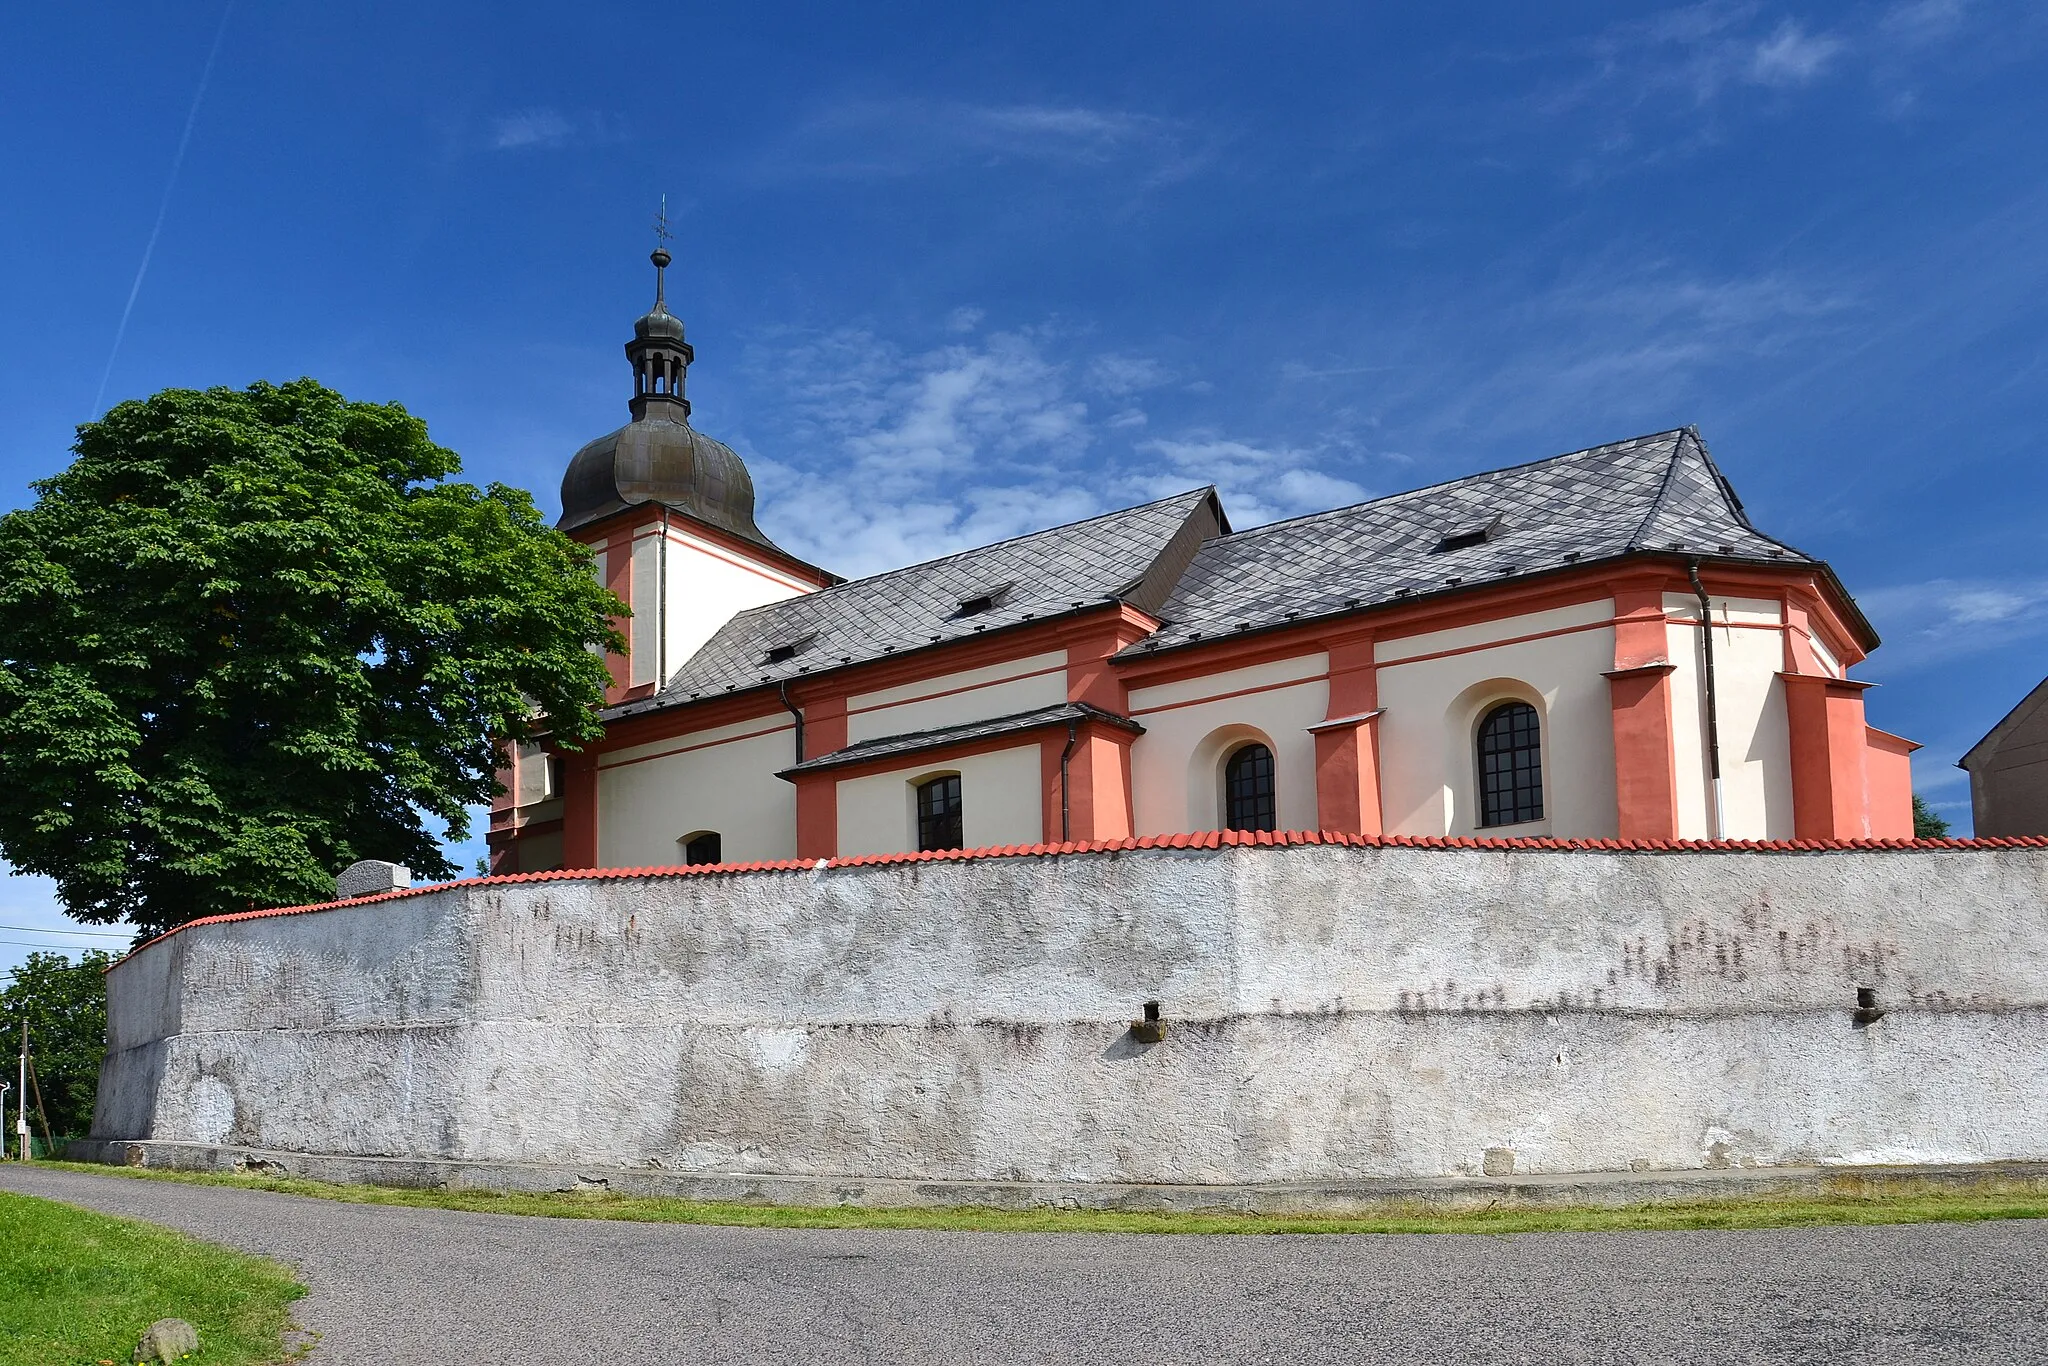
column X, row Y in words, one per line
column 1756, row 748
column 707, row 584
column 1000, row 803
column 651, row 796
column 1002, row 689
column 1192, row 726
column 1432, row 702
column 1331, row 1014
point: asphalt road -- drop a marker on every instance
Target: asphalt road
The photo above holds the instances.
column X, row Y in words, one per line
column 407, row 1287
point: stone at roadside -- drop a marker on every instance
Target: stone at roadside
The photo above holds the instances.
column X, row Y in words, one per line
column 166, row 1341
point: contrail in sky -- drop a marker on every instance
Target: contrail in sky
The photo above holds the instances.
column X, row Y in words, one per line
column 177, row 161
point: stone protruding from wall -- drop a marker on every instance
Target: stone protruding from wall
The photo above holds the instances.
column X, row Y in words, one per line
column 371, row 877
column 1331, row 1013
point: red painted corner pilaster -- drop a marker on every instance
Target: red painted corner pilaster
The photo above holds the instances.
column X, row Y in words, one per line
column 1348, row 742
column 579, row 809
column 1645, row 776
column 1829, row 741
column 618, row 577
column 1348, row 778
column 1097, row 791
column 1639, row 699
column 817, row 814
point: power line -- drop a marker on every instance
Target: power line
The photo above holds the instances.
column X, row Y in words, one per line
column 38, row 929
column 32, row 944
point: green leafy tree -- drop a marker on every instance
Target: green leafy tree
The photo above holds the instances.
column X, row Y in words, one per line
column 1927, row 825
column 249, row 637
column 65, row 1004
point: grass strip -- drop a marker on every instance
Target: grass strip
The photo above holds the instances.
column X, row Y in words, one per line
column 78, row 1288
column 1895, row 1201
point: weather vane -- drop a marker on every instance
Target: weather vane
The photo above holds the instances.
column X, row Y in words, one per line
column 661, row 232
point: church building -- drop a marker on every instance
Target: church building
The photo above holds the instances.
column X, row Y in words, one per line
column 1594, row 645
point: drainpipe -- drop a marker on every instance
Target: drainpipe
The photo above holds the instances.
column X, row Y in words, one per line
column 1692, row 571
column 1066, row 817
column 782, row 690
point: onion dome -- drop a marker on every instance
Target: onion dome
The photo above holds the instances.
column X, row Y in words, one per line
column 659, row 457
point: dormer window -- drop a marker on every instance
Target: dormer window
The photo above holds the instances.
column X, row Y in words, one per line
column 783, row 653
column 987, row 600
column 1467, row 536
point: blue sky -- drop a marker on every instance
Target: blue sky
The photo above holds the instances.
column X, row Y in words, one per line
column 955, row 272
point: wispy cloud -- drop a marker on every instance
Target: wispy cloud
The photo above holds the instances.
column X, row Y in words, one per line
column 1940, row 620
column 548, row 129
column 872, row 454
column 905, row 137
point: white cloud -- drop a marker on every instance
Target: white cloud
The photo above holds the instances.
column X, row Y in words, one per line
column 1257, row 483
column 905, row 454
column 1939, row 620
column 1792, row 56
column 547, row 129
column 893, row 138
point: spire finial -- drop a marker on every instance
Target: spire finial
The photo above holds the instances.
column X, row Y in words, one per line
column 661, row 257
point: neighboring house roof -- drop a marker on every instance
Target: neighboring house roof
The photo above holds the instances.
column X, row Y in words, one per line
column 1133, row 556
column 1659, row 493
column 916, row 742
column 1984, row 749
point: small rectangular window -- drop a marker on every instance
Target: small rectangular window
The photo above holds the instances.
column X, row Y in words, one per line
column 704, row 847
column 938, row 814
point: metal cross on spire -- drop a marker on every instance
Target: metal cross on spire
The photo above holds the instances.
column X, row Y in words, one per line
column 661, row 257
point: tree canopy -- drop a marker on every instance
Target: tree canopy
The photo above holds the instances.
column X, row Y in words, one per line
column 65, row 1004
column 249, row 637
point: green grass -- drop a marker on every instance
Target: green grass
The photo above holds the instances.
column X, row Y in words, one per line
column 1901, row 1200
column 78, row 1288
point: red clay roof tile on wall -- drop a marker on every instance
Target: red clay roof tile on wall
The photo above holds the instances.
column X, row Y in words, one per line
column 1206, row 839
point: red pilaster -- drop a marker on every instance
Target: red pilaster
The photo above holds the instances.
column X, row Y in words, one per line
column 579, row 809
column 1828, row 742
column 817, row 794
column 618, row 576
column 1347, row 742
column 1639, row 694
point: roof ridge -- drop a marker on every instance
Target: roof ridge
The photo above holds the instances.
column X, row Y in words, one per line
column 1446, row 483
column 1663, row 488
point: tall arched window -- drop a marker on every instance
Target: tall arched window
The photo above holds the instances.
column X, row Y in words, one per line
column 1510, row 765
column 1248, row 789
column 703, row 847
column 938, row 813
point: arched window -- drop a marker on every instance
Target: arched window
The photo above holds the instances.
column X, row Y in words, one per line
column 1248, row 789
column 1510, row 765
column 938, row 813
column 703, row 847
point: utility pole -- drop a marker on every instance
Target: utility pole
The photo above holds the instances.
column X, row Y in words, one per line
column 21, row 1094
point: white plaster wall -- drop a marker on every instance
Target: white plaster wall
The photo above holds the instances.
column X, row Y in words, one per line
column 1431, row 709
column 1756, row 753
column 1000, row 803
column 722, row 780
column 1331, row 1013
column 1177, row 764
column 708, row 584
column 1004, row 689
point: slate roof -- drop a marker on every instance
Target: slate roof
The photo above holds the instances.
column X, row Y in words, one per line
column 1133, row 556
column 917, row 741
column 1658, row 493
